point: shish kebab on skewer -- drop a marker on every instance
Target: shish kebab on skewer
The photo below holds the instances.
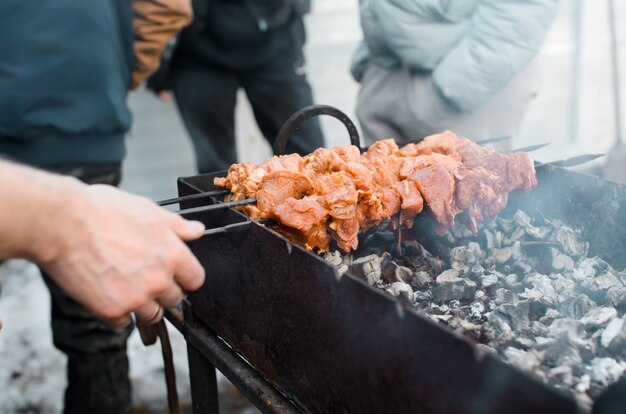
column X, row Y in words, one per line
column 333, row 194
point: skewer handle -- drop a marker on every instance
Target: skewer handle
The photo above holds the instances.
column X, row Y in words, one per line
column 219, row 206
column 294, row 121
column 231, row 228
column 198, row 196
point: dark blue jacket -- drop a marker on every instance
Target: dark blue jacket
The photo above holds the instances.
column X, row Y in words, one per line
column 65, row 70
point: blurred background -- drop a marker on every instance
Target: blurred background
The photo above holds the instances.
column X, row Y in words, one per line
column 574, row 111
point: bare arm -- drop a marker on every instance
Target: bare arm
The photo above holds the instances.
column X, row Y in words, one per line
column 113, row 252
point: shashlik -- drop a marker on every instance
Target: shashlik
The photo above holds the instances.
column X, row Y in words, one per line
column 335, row 193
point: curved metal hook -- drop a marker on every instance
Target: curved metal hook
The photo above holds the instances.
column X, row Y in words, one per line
column 294, row 121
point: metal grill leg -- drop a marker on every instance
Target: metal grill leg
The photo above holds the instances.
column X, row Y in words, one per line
column 203, row 383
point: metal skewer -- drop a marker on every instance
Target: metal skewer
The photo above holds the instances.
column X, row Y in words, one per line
column 219, row 206
column 573, row 161
column 492, row 140
column 198, row 196
column 232, row 228
column 531, row 148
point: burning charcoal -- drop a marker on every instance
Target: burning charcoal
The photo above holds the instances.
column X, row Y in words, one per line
column 516, row 314
column 535, row 329
column 400, row 288
column 450, row 287
column 561, row 261
column 506, row 224
column 616, row 296
column 490, row 280
column 549, row 316
column 584, row 383
column 541, row 290
column 459, row 231
column 421, row 280
column 560, row 351
column 465, row 328
column 566, row 327
column 497, row 331
column 522, row 219
column 467, row 255
column 505, row 296
column 598, row 317
column 333, row 258
column 369, row 268
column 614, row 336
column 476, row 310
column 392, row 272
column 419, row 296
column 490, row 239
column 577, row 306
column 441, row 318
column 511, row 281
column 603, row 372
column 570, row 239
column 588, row 348
column 563, row 286
column 588, row 268
column 501, row 255
column 477, row 271
column 562, row 374
column 528, row 360
column 600, row 285
column 516, row 235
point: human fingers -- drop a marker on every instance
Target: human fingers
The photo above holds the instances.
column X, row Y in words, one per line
column 149, row 313
column 187, row 270
column 118, row 323
column 171, row 297
column 185, row 229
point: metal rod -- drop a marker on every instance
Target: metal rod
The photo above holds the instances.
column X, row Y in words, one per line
column 531, row 148
column 572, row 162
column 231, row 228
column 170, row 372
column 198, row 196
column 219, row 206
column 492, row 140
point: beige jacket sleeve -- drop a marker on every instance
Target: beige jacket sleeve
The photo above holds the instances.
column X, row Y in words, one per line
column 155, row 23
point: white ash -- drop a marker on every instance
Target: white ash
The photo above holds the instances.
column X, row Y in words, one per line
column 523, row 288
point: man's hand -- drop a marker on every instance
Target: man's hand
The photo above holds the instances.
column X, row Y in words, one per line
column 113, row 252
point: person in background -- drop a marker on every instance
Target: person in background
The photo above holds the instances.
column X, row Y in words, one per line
column 430, row 65
column 112, row 252
column 65, row 71
column 251, row 44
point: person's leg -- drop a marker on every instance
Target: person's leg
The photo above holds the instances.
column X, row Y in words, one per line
column 276, row 91
column 97, row 366
column 206, row 99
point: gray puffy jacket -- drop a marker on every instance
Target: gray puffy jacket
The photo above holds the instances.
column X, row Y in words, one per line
column 472, row 48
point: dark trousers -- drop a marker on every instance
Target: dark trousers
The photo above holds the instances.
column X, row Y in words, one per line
column 97, row 365
column 206, row 97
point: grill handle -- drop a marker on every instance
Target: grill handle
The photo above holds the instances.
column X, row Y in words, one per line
column 294, row 121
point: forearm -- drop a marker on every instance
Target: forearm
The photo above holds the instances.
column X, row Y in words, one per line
column 30, row 203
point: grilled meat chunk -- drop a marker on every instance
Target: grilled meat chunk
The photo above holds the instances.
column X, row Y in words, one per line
column 336, row 193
